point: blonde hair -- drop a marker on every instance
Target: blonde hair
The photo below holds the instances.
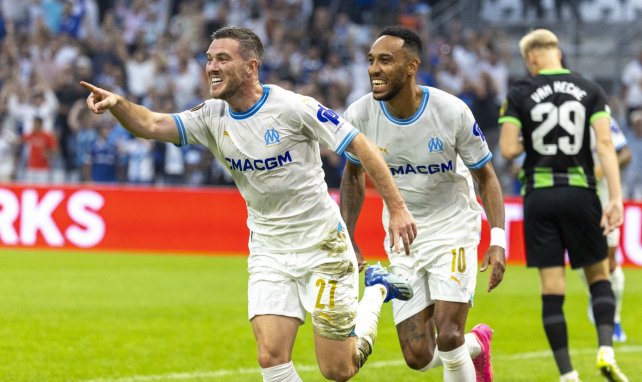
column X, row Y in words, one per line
column 538, row 39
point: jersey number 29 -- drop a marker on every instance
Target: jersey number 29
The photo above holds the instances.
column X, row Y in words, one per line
column 559, row 116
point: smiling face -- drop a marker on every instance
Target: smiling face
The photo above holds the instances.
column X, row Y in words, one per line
column 389, row 68
column 226, row 69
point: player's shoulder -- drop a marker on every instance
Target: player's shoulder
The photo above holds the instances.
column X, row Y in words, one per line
column 362, row 106
column 290, row 101
column 210, row 108
column 441, row 100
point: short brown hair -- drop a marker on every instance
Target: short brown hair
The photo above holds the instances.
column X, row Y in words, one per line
column 538, row 39
column 250, row 44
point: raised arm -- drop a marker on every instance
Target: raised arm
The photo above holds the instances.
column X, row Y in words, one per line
column 402, row 224
column 493, row 203
column 353, row 189
column 139, row 120
column 613, row 213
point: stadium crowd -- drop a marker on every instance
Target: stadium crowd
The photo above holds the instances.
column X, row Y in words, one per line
column 317, row 48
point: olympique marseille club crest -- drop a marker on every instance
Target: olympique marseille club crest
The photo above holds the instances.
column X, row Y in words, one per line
column 272, row 137
column 435, row 145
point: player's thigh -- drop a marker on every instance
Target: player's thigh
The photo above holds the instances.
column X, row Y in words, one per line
column 272, row 290
column 580, row 226
column 452, row 274
column 542, row 235
column 330, row 292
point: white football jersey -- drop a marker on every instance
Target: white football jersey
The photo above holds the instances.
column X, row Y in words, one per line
column 272, row 152
column 429, row 155
column 619, row 141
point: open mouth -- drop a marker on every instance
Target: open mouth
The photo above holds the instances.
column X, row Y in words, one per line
column 378, row 84
column 215, row 81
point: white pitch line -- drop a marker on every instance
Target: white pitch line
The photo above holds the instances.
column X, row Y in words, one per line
column 370, row 365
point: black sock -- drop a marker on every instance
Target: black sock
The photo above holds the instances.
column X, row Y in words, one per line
column 555, row 328
column 603, row 303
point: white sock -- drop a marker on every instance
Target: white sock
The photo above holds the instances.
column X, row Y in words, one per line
column 458, row 366
column 367, row 320
column 368, row 312
column 473, row 346
column 570, row 376
column 280, row 373
column 617, row 283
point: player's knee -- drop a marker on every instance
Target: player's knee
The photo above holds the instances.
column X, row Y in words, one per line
column 339, row 373
column 450, row 339
column 269, row 357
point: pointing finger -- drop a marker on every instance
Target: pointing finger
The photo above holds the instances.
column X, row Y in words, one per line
column 88, row 86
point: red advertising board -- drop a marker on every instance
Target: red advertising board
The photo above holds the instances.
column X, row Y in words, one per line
column 199, row 220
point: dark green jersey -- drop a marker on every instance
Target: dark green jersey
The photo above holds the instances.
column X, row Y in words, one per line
column 554, row 110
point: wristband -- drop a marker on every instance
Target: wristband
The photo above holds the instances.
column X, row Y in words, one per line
column 498, row 237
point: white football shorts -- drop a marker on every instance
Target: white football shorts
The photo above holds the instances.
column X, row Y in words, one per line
column 444, row 272
column 323, row 280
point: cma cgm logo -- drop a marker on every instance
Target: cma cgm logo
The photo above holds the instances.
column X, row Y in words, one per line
column 24, row 215
column 429, row 169
column 259, row 164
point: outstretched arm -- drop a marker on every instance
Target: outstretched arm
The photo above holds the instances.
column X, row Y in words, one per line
column 139, row 120
column 353, row 189
column 493, row 203
column 402, row 224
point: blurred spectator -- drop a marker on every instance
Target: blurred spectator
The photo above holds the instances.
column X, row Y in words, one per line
column 72, row 17
column 26, row 106
column 101, row 161
column 8, row 153
column 536, row 5
column 633, row 176
column 41, row 146
column 572, row 5
column 632, row 86
column 140, row 164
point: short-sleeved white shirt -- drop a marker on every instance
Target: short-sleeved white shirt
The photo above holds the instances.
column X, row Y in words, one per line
column 272, row 152
column 429, row 156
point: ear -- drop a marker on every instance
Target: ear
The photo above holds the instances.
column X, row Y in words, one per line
column 413, row 66
column 252, row 67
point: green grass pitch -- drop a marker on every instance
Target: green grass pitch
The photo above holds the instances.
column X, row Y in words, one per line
column 73, row 316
